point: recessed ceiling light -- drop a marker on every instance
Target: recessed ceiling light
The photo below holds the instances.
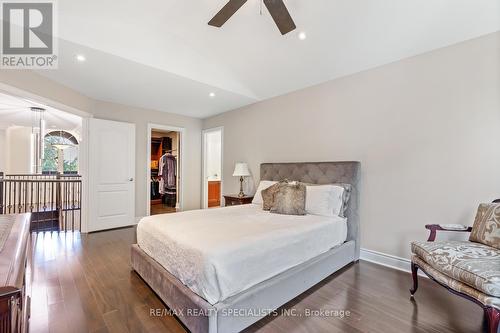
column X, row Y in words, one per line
column 302, row 35
column 212, row 94
column 81, row 58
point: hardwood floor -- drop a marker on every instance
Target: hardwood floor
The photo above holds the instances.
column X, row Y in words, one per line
column 162, row 209
column 83, row 283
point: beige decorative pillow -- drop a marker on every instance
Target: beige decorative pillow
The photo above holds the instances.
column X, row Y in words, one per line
column 486, row 228
column 290, row 199
column 268, row 196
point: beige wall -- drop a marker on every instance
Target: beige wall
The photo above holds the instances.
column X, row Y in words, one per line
column 3, row 152
column 18, row 150
column 67, row 99
column 192, row 148
column 425, row 129
column 33, row 83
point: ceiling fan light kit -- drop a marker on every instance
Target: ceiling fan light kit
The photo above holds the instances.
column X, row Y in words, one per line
column 276, row 8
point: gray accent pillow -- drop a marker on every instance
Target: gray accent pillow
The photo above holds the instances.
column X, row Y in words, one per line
column 290, row 199
column 268, row 195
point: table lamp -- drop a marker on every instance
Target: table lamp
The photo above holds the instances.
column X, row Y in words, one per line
column 241, row 170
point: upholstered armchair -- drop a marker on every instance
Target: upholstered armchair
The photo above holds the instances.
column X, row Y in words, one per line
column 470, row 269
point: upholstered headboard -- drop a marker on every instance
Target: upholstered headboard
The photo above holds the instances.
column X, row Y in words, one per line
column 323, row 173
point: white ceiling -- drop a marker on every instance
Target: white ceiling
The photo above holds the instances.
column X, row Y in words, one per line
column 161, row 54
column 15, row 111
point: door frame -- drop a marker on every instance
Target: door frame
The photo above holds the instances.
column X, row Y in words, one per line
column 181, row 156
column 83, row 153
column 204, row 185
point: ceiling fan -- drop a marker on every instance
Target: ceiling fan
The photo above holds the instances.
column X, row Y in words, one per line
column 276, row 8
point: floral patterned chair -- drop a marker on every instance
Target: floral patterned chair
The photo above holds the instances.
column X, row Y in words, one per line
column 470, row 269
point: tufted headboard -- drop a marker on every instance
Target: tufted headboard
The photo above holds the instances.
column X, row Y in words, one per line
column 323, row 173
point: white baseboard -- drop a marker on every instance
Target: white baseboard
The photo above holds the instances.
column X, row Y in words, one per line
column 387, row 260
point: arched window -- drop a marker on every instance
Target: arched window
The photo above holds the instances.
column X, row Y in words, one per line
column 60, row 153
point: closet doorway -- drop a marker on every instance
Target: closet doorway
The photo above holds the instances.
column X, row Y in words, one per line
column 165, row 157
column 212, row 167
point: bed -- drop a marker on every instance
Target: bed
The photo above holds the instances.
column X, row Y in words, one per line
column 221, row 270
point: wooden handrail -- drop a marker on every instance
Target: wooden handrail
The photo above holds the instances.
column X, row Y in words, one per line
column 40, row 180
column 55, row 203
column 41, row 174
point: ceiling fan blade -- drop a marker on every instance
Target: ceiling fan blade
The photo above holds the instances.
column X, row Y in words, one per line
column 226, row 12
column 280, row 15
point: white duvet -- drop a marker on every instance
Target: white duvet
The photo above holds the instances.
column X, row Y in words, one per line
column 218, row 253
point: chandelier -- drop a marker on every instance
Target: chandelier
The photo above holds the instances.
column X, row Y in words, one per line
column 61, row 140
column 37, row 134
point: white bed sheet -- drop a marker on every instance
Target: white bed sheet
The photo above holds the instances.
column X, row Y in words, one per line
column 220, row 252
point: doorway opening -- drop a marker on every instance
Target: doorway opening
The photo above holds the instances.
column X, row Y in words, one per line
column 212, row 167
column 165, row 191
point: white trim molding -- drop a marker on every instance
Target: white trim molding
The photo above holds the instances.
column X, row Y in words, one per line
column 388, row 260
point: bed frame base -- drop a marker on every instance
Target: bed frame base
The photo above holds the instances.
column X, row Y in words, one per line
column 199, row 316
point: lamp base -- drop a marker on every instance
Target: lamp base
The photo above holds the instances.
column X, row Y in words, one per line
column 241, row 194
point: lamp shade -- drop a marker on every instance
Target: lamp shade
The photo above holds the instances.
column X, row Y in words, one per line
column 241, row 170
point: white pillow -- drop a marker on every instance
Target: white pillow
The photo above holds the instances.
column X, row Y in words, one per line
column 324, row 200
column 257, row 199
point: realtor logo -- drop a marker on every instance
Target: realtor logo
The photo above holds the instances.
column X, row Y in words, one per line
column 28, row 40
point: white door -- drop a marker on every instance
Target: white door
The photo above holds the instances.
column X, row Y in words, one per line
column 111, row 174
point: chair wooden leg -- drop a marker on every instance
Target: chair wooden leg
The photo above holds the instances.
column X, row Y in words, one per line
column 493, row 316
column 414, row 269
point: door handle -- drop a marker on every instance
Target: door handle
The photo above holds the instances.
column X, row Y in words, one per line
column 131, row 179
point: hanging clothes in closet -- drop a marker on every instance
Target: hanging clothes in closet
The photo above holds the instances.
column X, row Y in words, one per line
column 155, row 188
column 168, row 178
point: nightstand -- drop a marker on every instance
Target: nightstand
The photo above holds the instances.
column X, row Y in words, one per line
column 234, row 200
